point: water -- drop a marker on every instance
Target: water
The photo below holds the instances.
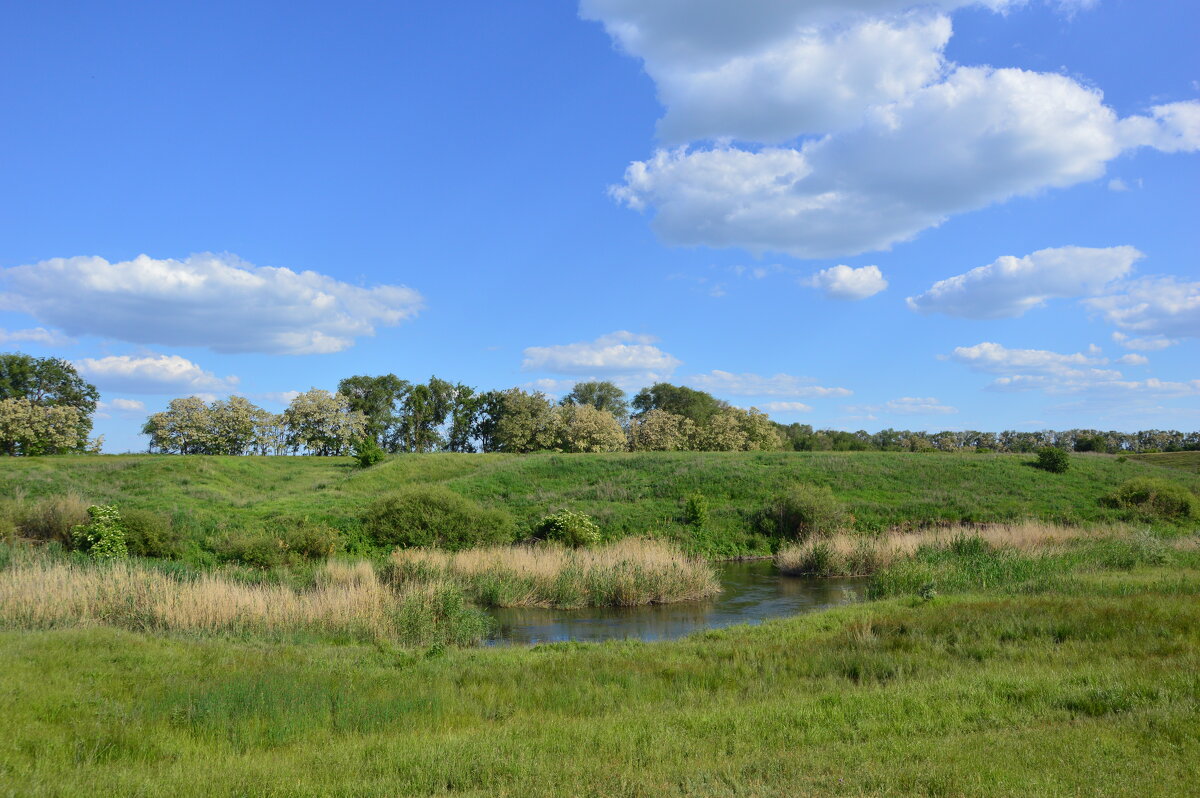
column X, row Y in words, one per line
column 753, row 591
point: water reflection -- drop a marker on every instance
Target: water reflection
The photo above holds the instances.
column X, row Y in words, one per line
column 753, row 592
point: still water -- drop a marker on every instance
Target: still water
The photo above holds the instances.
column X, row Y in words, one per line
column 752, row 591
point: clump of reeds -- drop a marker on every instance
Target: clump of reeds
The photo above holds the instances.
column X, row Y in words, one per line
column 857, row 555
column 348, row 602
column 627, row 573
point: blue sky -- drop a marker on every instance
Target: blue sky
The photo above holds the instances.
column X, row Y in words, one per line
column 854, row 214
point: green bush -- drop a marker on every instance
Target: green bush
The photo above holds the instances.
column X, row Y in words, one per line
column 1052, row 459
column 257, row 549
column 568, row 528
column 435, row 516
column 695, row 511
column 368, row 453
column 309, row 539
column 1154, row 499
column 103, row 537
column 803, row 511
column 149, row 534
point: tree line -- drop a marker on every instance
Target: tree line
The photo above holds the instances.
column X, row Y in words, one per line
column 47, row 408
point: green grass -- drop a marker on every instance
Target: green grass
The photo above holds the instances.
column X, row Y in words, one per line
column 1089, row 689
column 628, row 494
column 1181, row 461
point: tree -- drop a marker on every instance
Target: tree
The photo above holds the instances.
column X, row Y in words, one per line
column 660, row 431
column 422, row 414
column 759, row 431
column 464, row 414
column 185, row 427
column 600, row 395
column 526, row 422
column 28, row 429
column 680, row 400
column 722, row 432
column 322, row 423
column 583, row 428
column 379, row 400
column 50, row 382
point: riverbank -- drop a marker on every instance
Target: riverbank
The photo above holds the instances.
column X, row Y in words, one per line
column 1086, row 687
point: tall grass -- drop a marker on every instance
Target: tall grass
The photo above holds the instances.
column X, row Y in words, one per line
column 859, row 555
column 349, row 602
column 628, row 573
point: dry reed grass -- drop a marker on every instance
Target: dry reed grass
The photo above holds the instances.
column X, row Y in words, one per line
column 626, row 573
column 856, row 555
column 348, row 601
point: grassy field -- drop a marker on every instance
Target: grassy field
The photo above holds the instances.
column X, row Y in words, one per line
column 1180, row 461
column 1088, row 686
column 628, row 494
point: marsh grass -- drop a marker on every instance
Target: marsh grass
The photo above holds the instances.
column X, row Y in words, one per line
column 861, row 555
column 348, row 602
column 627, row 573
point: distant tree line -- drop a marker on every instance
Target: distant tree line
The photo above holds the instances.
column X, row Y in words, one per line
column 596, row 416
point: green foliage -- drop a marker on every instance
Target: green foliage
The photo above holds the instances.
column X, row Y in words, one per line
column 50, row 382
column 254, row 548
column 53, row 517
column 690, row 403
column 367, row 453
column 802, row 511
column 431, row 515
column 1153, row 499
column 604, row 396
column 1052, row 459
column 148, row 534
column 104, row 537
column 695, row 510
column 568, row 528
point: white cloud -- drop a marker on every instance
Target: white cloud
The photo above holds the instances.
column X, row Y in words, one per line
column 1057, row 373
column 730, row 384
column 886, row 137
column 36, row 335
column 214, row 301
column 1148, row 344
column 126, row 407
column 279, row 397
column 1011, row 286
column 843, row 282
column 152, row 374
column 904, row 406
column 1117, row 184
column 1155, row 306
column 785, row 407
column 617, row 352
column 1133, row 360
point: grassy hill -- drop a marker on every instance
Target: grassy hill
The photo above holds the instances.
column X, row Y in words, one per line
column 628, row 494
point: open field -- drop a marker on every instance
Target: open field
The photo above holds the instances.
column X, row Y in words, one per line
column 212, row 498
column 1181, row 461
column 1086, row 688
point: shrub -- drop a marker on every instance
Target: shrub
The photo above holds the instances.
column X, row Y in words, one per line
column 430, row 515
column 568, row 528
column 368, row 453
column 803, row 511
column 103, row 537
column 54, row 517
column 149, row 534
column 695, row 511
column 1154, row 499
column 1052, row 459
column 310, row 540
column 256, row 549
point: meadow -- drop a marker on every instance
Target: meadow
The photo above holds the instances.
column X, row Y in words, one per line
column 1024, row 633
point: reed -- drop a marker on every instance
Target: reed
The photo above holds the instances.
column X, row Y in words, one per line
column 859, row 555
column 348, row 602
column 627, row 573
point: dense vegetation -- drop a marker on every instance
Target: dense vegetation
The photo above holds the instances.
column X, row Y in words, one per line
column 267, row 511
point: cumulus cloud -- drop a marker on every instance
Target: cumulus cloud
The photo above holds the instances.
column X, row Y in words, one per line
column 1151, row 343
column 1133, row 360
column 1011, row 286
column 870, row 135
column 126, row 407
column 1056, row 373
column 152, row 374
column 36, row 335
column 730, row 384
column 904, row 406
column 215, row 301
column 617, row 352
column 843, row 282
column 1166, row 307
